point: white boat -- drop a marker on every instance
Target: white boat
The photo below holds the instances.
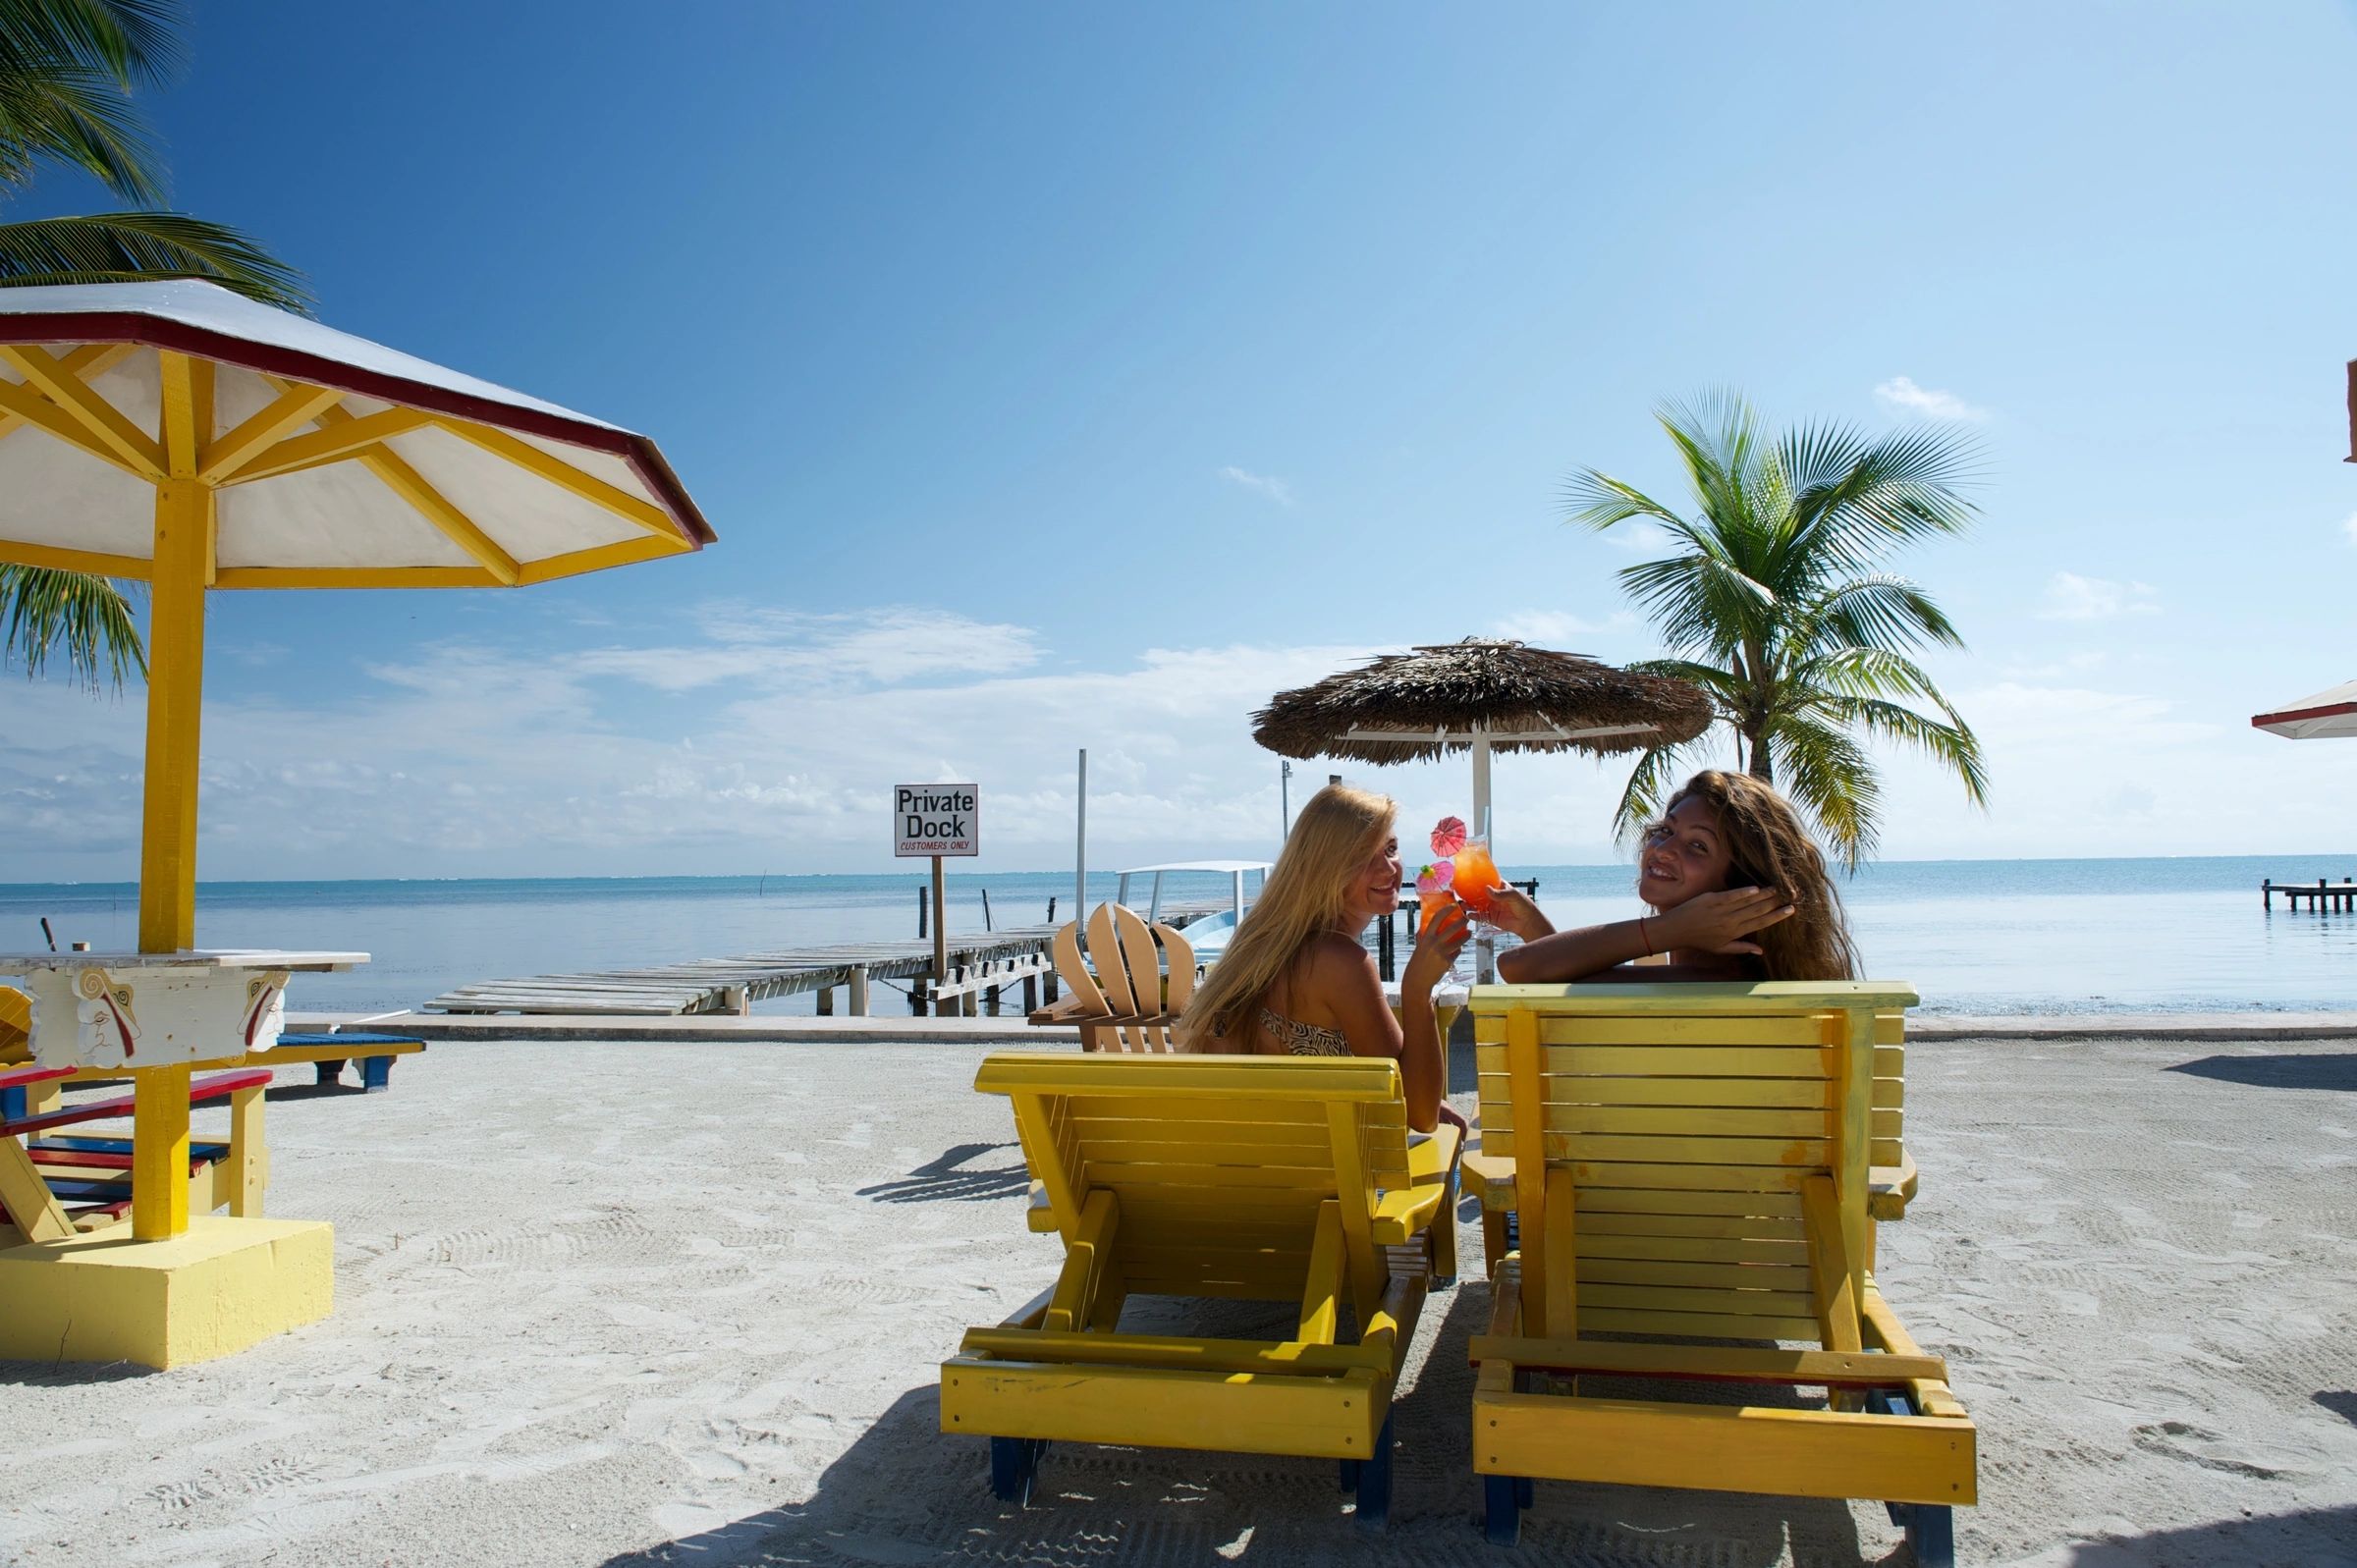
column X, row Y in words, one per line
column 1209, row 935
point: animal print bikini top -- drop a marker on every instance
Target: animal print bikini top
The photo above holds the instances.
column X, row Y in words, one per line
column 1303, row 1039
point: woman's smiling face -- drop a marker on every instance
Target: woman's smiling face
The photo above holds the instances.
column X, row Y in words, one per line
column 1684, row 854
column 1375, row 890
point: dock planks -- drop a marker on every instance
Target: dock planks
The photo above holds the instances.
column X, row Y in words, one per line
column 712, row 985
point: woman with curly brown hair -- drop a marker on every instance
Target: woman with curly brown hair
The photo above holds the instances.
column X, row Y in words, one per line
column 1739, row 892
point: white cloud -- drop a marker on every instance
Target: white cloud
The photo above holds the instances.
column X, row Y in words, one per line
column 2072, row 597
column 1640, row 536
column 1558, row 628
column 1902, row 391
column 1275, row 489
column 2350, row 527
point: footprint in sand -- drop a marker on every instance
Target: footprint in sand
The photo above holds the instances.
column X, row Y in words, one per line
column 2198, row 1446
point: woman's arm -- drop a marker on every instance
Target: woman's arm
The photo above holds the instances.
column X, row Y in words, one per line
column 1708, row 923
column 1344, row 975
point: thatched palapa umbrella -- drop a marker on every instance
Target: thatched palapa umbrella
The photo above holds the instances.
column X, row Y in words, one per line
column 1480, row 695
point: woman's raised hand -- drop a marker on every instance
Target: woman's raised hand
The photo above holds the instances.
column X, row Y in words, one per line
column 1717, row 922
column 1513, row 913
column 1435, row 947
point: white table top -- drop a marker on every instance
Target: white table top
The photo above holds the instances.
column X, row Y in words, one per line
column 16, row 964
column 1447, row 994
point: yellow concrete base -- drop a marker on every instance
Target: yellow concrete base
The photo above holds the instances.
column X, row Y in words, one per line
column 223, row 1286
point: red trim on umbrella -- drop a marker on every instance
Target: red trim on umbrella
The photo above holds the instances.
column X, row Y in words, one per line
column 2303, row 715
column 178, row 337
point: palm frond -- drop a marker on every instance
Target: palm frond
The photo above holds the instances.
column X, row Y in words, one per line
column 1953, row 743
column 1832, row 782
column 77, row 115
column 1598, row 500
column 86, row 618
column 1853, row 500
column 136, row 42
column 1700, row 601
column 126, row 247
column 1882, row 610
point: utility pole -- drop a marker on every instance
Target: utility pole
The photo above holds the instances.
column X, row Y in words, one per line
column 1285, row 806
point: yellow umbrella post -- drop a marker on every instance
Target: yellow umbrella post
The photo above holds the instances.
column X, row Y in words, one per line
column 178, row 434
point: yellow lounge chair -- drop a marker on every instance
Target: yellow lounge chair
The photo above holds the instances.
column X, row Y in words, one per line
column 1692, row 1160
column 1265, row 1178
column 1891, row 1184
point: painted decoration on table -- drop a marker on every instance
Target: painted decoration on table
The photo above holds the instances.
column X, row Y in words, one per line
column 87, row 1017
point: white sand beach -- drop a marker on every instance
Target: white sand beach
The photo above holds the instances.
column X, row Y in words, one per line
column 622, row 1303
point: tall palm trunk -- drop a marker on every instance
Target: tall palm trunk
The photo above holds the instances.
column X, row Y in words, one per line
column 1763, row 766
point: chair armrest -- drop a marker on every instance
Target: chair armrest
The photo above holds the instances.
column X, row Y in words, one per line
column 1891, row 1188
column 1491, row 1178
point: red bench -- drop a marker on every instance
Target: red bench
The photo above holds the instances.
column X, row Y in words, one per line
column 45, row 1193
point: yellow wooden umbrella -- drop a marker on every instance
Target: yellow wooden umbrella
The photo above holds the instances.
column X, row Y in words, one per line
column 181, row 435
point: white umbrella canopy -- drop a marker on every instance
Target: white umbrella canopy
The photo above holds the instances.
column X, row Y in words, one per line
column 2329, row 714
column 181, row 435
column 333, row 461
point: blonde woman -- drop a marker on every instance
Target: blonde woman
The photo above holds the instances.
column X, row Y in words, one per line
column 1295, row 979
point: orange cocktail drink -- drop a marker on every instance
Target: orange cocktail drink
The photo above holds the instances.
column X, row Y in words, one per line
column 1477, row 880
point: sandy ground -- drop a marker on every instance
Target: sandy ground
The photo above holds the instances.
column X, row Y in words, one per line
column 621, row 1304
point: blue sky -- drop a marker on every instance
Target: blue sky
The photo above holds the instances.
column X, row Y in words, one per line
column 1064, row 375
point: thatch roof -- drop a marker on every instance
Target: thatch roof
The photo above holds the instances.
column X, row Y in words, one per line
column 1529, row 699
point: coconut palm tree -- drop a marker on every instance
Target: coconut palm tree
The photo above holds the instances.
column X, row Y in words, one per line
column 66, row 70
column 1773, row 601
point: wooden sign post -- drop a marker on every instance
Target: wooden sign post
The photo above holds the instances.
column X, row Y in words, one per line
column 937, row 821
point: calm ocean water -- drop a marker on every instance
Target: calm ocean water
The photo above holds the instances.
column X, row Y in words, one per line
column 1979, row 936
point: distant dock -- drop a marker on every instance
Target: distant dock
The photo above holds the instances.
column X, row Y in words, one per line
column 982, row 965
column 2323, row 895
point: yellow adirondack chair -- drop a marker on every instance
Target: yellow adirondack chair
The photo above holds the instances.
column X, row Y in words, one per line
column 1121, row 995
column 1692, row 1160
column 1266, row 1178
column 1890, row 1183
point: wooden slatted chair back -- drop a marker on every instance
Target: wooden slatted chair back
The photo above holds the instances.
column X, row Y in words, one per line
column 1219, row 1164
column 1666, row 1139
column 1140, row 973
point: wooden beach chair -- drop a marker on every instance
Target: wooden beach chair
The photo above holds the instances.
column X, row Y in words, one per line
column 1264, row 1178
column 1891, row 1184
column 1692, row 1160
column 1128, row 990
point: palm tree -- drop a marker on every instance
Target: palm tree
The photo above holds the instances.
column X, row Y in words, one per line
column 1773, row 602
column 66, row 72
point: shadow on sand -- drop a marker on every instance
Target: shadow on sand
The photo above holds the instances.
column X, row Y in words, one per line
column 2331, row 1070
column 947, row 1178
column 2314, row 1538
column 903, row 1492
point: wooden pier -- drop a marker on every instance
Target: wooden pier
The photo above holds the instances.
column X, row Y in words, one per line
column 2321, row 896
column 982, row 965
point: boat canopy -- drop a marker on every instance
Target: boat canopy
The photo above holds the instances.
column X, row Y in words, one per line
column 1235, row 871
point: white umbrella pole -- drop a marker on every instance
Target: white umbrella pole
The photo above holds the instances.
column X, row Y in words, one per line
column 1484, row 951
column 1080, row 847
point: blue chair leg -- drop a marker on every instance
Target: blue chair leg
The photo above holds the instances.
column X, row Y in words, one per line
column 1501, row 1508
column 12, row 1105
column 1014, row 1468
column 1374, row 1480
column 1527, row 1491
column 1931, row 1527
column 376, row 1074
column 1349, row 1470
column 325, row 1073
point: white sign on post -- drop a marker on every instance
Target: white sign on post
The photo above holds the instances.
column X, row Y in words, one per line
column 936, row 820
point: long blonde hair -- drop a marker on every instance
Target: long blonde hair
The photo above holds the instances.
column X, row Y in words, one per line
column 1768, row 847
column 1308, row 892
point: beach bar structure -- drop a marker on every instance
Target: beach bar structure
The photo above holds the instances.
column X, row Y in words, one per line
column 179, row 435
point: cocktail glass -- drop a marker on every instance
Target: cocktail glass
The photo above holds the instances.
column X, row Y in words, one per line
column 1477, row 882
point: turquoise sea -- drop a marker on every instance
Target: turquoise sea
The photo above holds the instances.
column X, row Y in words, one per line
column 1974, row 936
